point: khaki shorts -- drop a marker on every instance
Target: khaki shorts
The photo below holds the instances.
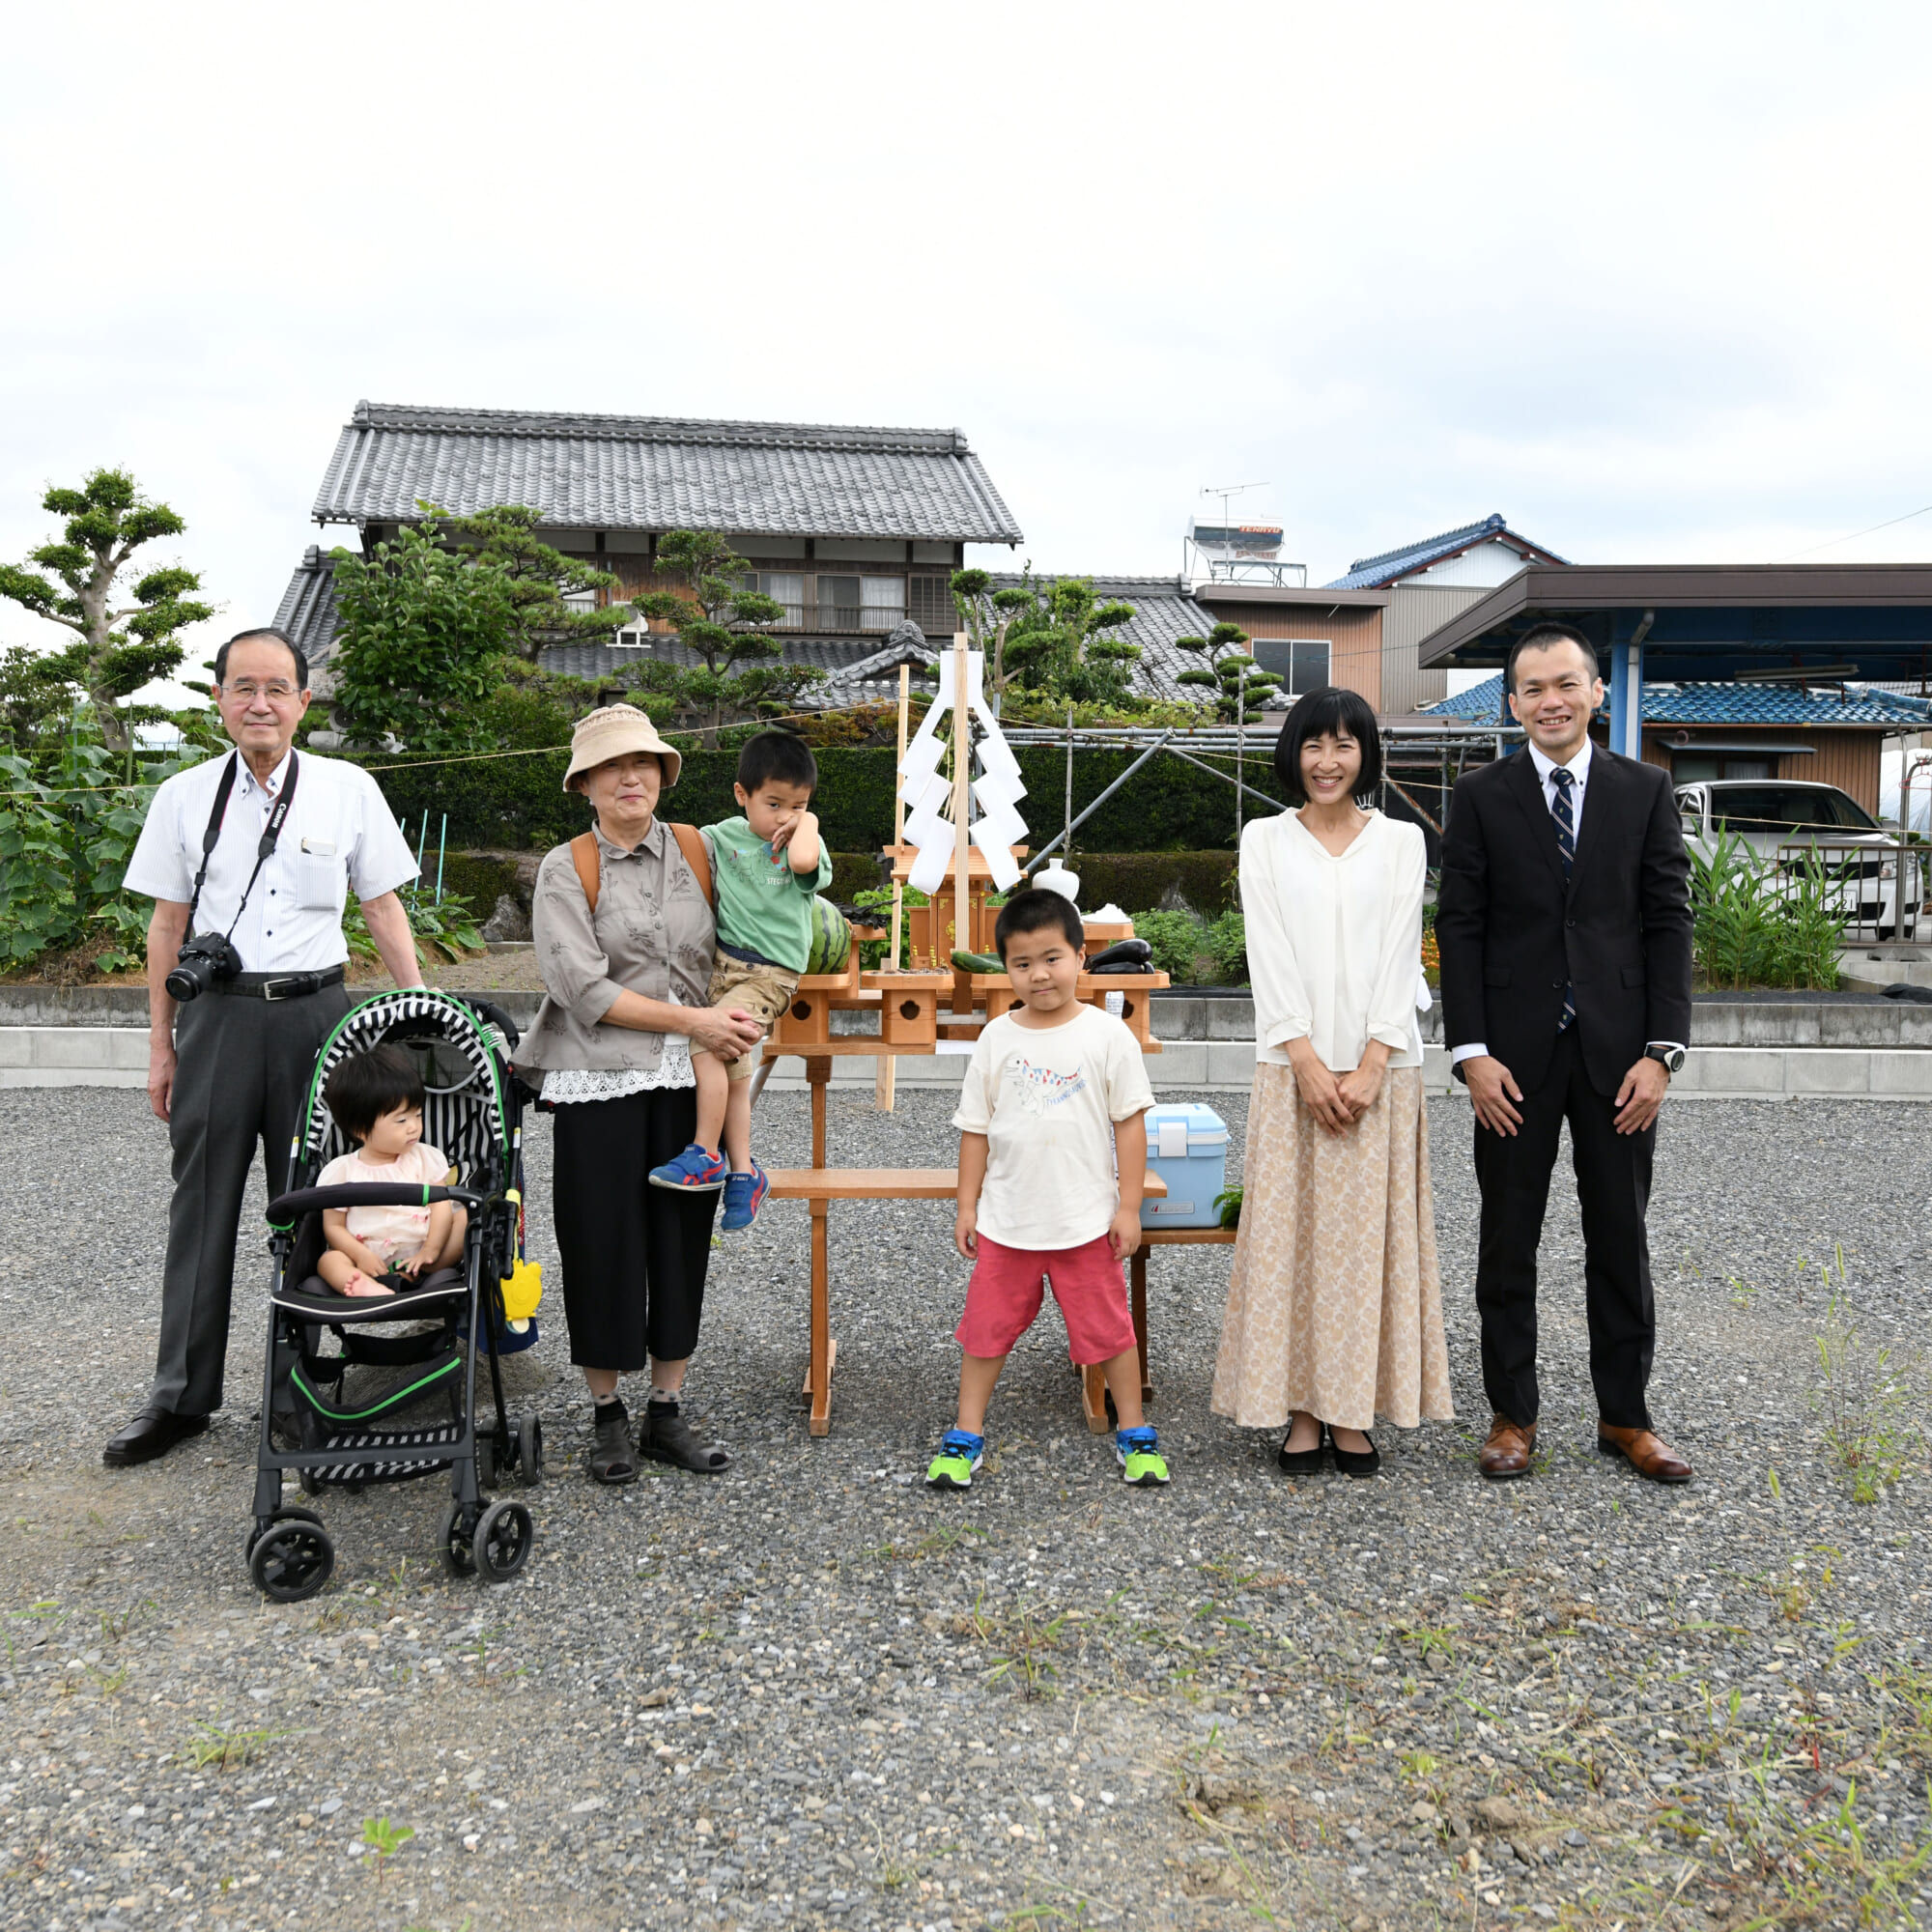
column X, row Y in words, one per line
column 760, row 989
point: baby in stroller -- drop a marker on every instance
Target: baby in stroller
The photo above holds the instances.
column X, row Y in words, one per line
column 377, row 1099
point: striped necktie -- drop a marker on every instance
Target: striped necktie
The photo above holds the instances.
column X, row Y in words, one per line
column 1563, row 811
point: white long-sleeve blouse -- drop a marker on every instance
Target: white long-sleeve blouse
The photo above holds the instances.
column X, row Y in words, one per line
column 1334, row 944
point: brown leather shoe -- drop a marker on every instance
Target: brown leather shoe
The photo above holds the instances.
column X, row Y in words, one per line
column 1653, row 1460
column 1506, row 1454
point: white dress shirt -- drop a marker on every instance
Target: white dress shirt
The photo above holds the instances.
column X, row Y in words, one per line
column 1578, row 769
column 339, row 833
column 1334, row 943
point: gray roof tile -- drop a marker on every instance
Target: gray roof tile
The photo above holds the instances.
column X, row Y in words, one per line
column 307, row 609
column 1370, row 573
column 661, row 474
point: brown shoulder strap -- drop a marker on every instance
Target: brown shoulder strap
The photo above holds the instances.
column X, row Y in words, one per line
column 691, row 842
column 590, row 866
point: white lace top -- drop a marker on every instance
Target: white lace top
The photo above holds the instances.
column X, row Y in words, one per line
column 564, row 1084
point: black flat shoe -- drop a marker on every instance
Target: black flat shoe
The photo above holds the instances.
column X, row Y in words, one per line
column 1300, row 1461
column 151, row 1433
column 1357, row 1462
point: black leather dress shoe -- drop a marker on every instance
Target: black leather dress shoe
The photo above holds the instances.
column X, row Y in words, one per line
column 151, row 1433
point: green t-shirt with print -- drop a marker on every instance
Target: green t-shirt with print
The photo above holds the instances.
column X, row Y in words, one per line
column 763, row 906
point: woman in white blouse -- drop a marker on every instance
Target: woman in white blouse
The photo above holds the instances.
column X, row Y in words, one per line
column 1334, row 1306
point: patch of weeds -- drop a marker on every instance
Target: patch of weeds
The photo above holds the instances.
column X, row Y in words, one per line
column 227, row 1747
column 116, row 1624
column 936, row 1543
column 1427, row 1639
column 1021, row 1643
column 386, row 1840
column 1860, row 1398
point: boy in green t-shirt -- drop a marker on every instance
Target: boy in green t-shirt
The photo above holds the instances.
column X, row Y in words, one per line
column 765, row 867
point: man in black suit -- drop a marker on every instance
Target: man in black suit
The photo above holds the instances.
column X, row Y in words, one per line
column 1564, row 925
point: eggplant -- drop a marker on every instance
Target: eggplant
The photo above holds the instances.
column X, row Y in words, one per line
column 1124, row 955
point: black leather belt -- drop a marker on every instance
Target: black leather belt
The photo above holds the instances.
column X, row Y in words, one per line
column 279, row 985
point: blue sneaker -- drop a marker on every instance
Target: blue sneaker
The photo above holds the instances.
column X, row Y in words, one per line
column 696, row 1171
column 744, row 1196
column 959, row 1454
column 1139, row 1453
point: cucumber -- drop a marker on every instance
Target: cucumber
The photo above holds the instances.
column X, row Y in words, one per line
column 977, row 962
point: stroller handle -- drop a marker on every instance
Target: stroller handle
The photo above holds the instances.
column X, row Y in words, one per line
column 287, row 1208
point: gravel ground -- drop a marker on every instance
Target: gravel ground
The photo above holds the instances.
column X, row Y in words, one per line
column 807, row 1694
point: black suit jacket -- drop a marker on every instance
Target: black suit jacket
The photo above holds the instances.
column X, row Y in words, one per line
column 1511, row 934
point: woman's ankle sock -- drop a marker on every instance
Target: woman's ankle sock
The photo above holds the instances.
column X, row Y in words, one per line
column 662, row 1398
column 609, row 1408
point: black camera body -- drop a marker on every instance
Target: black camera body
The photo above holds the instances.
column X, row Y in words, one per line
column 204, row 960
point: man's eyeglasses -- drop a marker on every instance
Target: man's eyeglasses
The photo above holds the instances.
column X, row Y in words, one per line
column 281, row 692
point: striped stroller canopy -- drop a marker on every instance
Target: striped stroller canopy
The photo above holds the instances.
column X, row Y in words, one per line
column 465, row 1065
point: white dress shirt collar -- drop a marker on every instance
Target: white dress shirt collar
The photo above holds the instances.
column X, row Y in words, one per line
column 1578, row 767
column 274, row 788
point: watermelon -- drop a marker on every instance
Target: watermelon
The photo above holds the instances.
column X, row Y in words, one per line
column 831, row 938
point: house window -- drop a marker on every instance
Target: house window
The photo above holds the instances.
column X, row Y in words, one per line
column 1300, row 662
column 786, row 588
column 929, row 604
column 1700, row 767
column 882, row 602
column 860, row 603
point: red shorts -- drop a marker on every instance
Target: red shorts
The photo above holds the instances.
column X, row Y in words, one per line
column 1004, row 1296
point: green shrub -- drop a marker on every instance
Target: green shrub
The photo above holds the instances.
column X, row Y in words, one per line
column 1177, row 939
column 1227, row 946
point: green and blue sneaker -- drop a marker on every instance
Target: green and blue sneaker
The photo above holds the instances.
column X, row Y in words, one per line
column 959, row 1454
column 1139, row 1451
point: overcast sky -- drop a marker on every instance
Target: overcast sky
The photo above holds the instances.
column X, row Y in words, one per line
column 1651, row 280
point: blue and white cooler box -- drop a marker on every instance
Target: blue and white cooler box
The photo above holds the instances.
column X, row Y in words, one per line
column 1187, row 1146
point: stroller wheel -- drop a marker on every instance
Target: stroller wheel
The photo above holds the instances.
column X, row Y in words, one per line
column 454, row 1544
column 293, row 1561
column 260, row 1528
column 529, row 1450
column 503, row 1539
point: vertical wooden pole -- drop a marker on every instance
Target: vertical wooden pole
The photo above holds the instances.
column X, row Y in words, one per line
column 962, row 760
column 899, row 810
column 822, row 1348
column 885, row 1082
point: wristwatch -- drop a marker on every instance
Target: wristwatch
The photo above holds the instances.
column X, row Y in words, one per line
column 1670, row 1058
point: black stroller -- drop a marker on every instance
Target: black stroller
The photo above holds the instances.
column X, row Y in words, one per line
column 352, row 1414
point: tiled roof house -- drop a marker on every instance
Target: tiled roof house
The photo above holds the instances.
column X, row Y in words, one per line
column 852, row 529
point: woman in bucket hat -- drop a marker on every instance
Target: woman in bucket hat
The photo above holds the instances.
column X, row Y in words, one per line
column 624, row 944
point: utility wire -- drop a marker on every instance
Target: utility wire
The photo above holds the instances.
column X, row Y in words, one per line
column 1834, row 542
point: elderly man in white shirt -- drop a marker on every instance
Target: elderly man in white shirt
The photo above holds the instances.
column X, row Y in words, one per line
column 260, row 847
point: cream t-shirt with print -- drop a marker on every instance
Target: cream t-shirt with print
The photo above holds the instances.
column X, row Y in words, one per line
column 1047, row 1100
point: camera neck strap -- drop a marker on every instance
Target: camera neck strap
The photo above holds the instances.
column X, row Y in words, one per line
column 270, row 832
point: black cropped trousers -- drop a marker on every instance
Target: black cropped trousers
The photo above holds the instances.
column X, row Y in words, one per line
column 634, row 1255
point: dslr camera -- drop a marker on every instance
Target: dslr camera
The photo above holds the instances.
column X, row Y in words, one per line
column 205, row 958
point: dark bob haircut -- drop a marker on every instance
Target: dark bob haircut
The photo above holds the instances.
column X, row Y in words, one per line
column 274, row 636
column 1345, row 713
column 1033, row 909
column 776, row 754
column 1539, row 638
column 366, row 1086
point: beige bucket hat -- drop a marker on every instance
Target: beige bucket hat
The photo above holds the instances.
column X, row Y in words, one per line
column 610, row 731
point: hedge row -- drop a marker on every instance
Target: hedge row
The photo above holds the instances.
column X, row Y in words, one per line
column 1135, row 881
column 520, row 802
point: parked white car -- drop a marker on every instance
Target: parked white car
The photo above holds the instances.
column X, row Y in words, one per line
column 1773, row 815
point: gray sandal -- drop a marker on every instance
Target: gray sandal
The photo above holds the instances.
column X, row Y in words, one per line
column 613, row 1460
column 664, row 1437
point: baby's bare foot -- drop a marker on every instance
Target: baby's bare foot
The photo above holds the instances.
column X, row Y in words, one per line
column 360, row 1283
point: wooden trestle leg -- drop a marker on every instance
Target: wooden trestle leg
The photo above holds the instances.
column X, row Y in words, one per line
column 1094, row 1384
column 819, row 1379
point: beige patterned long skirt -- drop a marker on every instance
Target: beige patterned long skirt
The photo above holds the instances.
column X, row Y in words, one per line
column 1334, row 1304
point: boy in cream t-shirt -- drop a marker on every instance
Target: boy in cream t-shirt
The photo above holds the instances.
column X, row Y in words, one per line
column 1052, row 1160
